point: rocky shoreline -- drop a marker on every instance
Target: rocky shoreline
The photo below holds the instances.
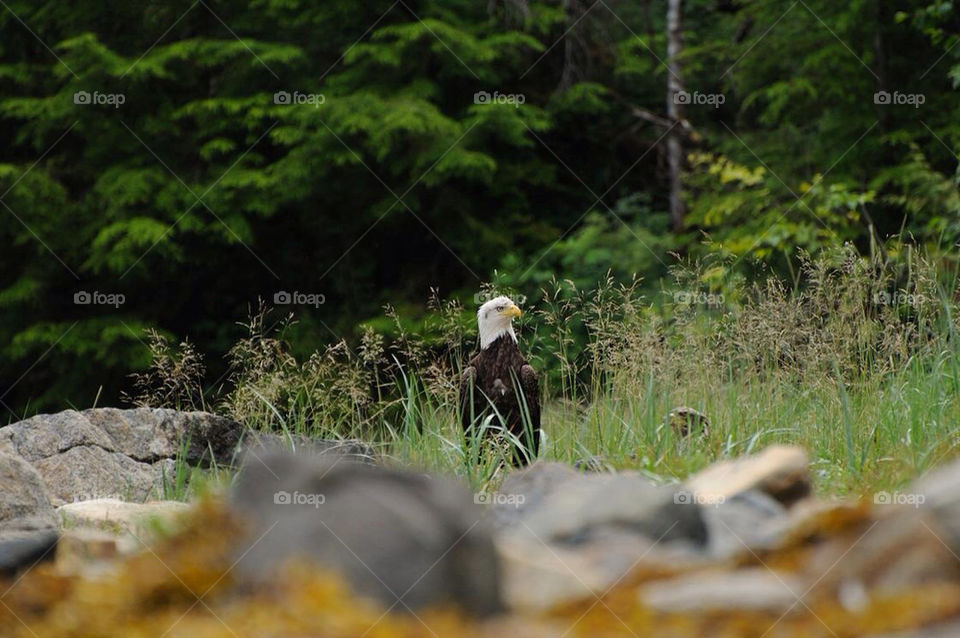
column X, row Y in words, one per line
column 743, row 543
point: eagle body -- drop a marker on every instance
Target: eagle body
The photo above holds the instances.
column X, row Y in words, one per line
column 498, row 381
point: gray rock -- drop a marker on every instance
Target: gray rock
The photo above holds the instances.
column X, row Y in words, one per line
column 46, row 435
column 143, row 434
column 118, row 453
column 753, row 589
column 600, row 503
column 406, row 540
column 540, row 576
column 152, row 434
column 902, row 549
column 87, row 472
column 563, row 535
column 557, row 504
column 940, row 495
column 780, row 471
column 27, row 521
column 24, row 504
column 534, row 484
column 746, row 522
column 22, row 550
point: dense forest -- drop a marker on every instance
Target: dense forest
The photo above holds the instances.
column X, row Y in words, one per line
column 167, row 165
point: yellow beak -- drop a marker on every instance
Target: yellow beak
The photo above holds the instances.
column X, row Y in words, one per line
column 512, row 311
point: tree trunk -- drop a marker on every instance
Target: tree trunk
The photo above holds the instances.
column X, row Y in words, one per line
column 883, row 18
column 675, row 111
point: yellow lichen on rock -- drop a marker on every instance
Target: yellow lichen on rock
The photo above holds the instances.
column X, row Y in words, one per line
column 183, row 586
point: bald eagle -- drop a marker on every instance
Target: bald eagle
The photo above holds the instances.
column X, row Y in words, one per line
column 498, row 381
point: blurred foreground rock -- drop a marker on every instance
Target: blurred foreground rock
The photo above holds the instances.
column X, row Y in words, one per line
column 563, row 535
column 115, row 515
column 573, row 554
column 752, row 589
column 938, row 493
column 406, row 540
column 746, row 521
column 780, row 471
column 96, row 532
column 28, row 524
column 951, row 630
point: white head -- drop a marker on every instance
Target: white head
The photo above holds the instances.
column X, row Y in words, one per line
column 493, row 320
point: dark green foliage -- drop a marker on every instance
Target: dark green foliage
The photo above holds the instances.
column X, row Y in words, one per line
column 200, row 194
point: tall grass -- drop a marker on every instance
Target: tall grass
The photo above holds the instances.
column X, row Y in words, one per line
column 857, row 361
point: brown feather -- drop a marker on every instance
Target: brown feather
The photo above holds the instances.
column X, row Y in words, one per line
column 495, row 381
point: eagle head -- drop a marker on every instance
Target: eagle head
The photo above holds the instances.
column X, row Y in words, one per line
column 494, row 320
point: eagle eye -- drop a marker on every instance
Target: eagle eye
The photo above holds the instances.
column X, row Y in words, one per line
column 499, row 308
